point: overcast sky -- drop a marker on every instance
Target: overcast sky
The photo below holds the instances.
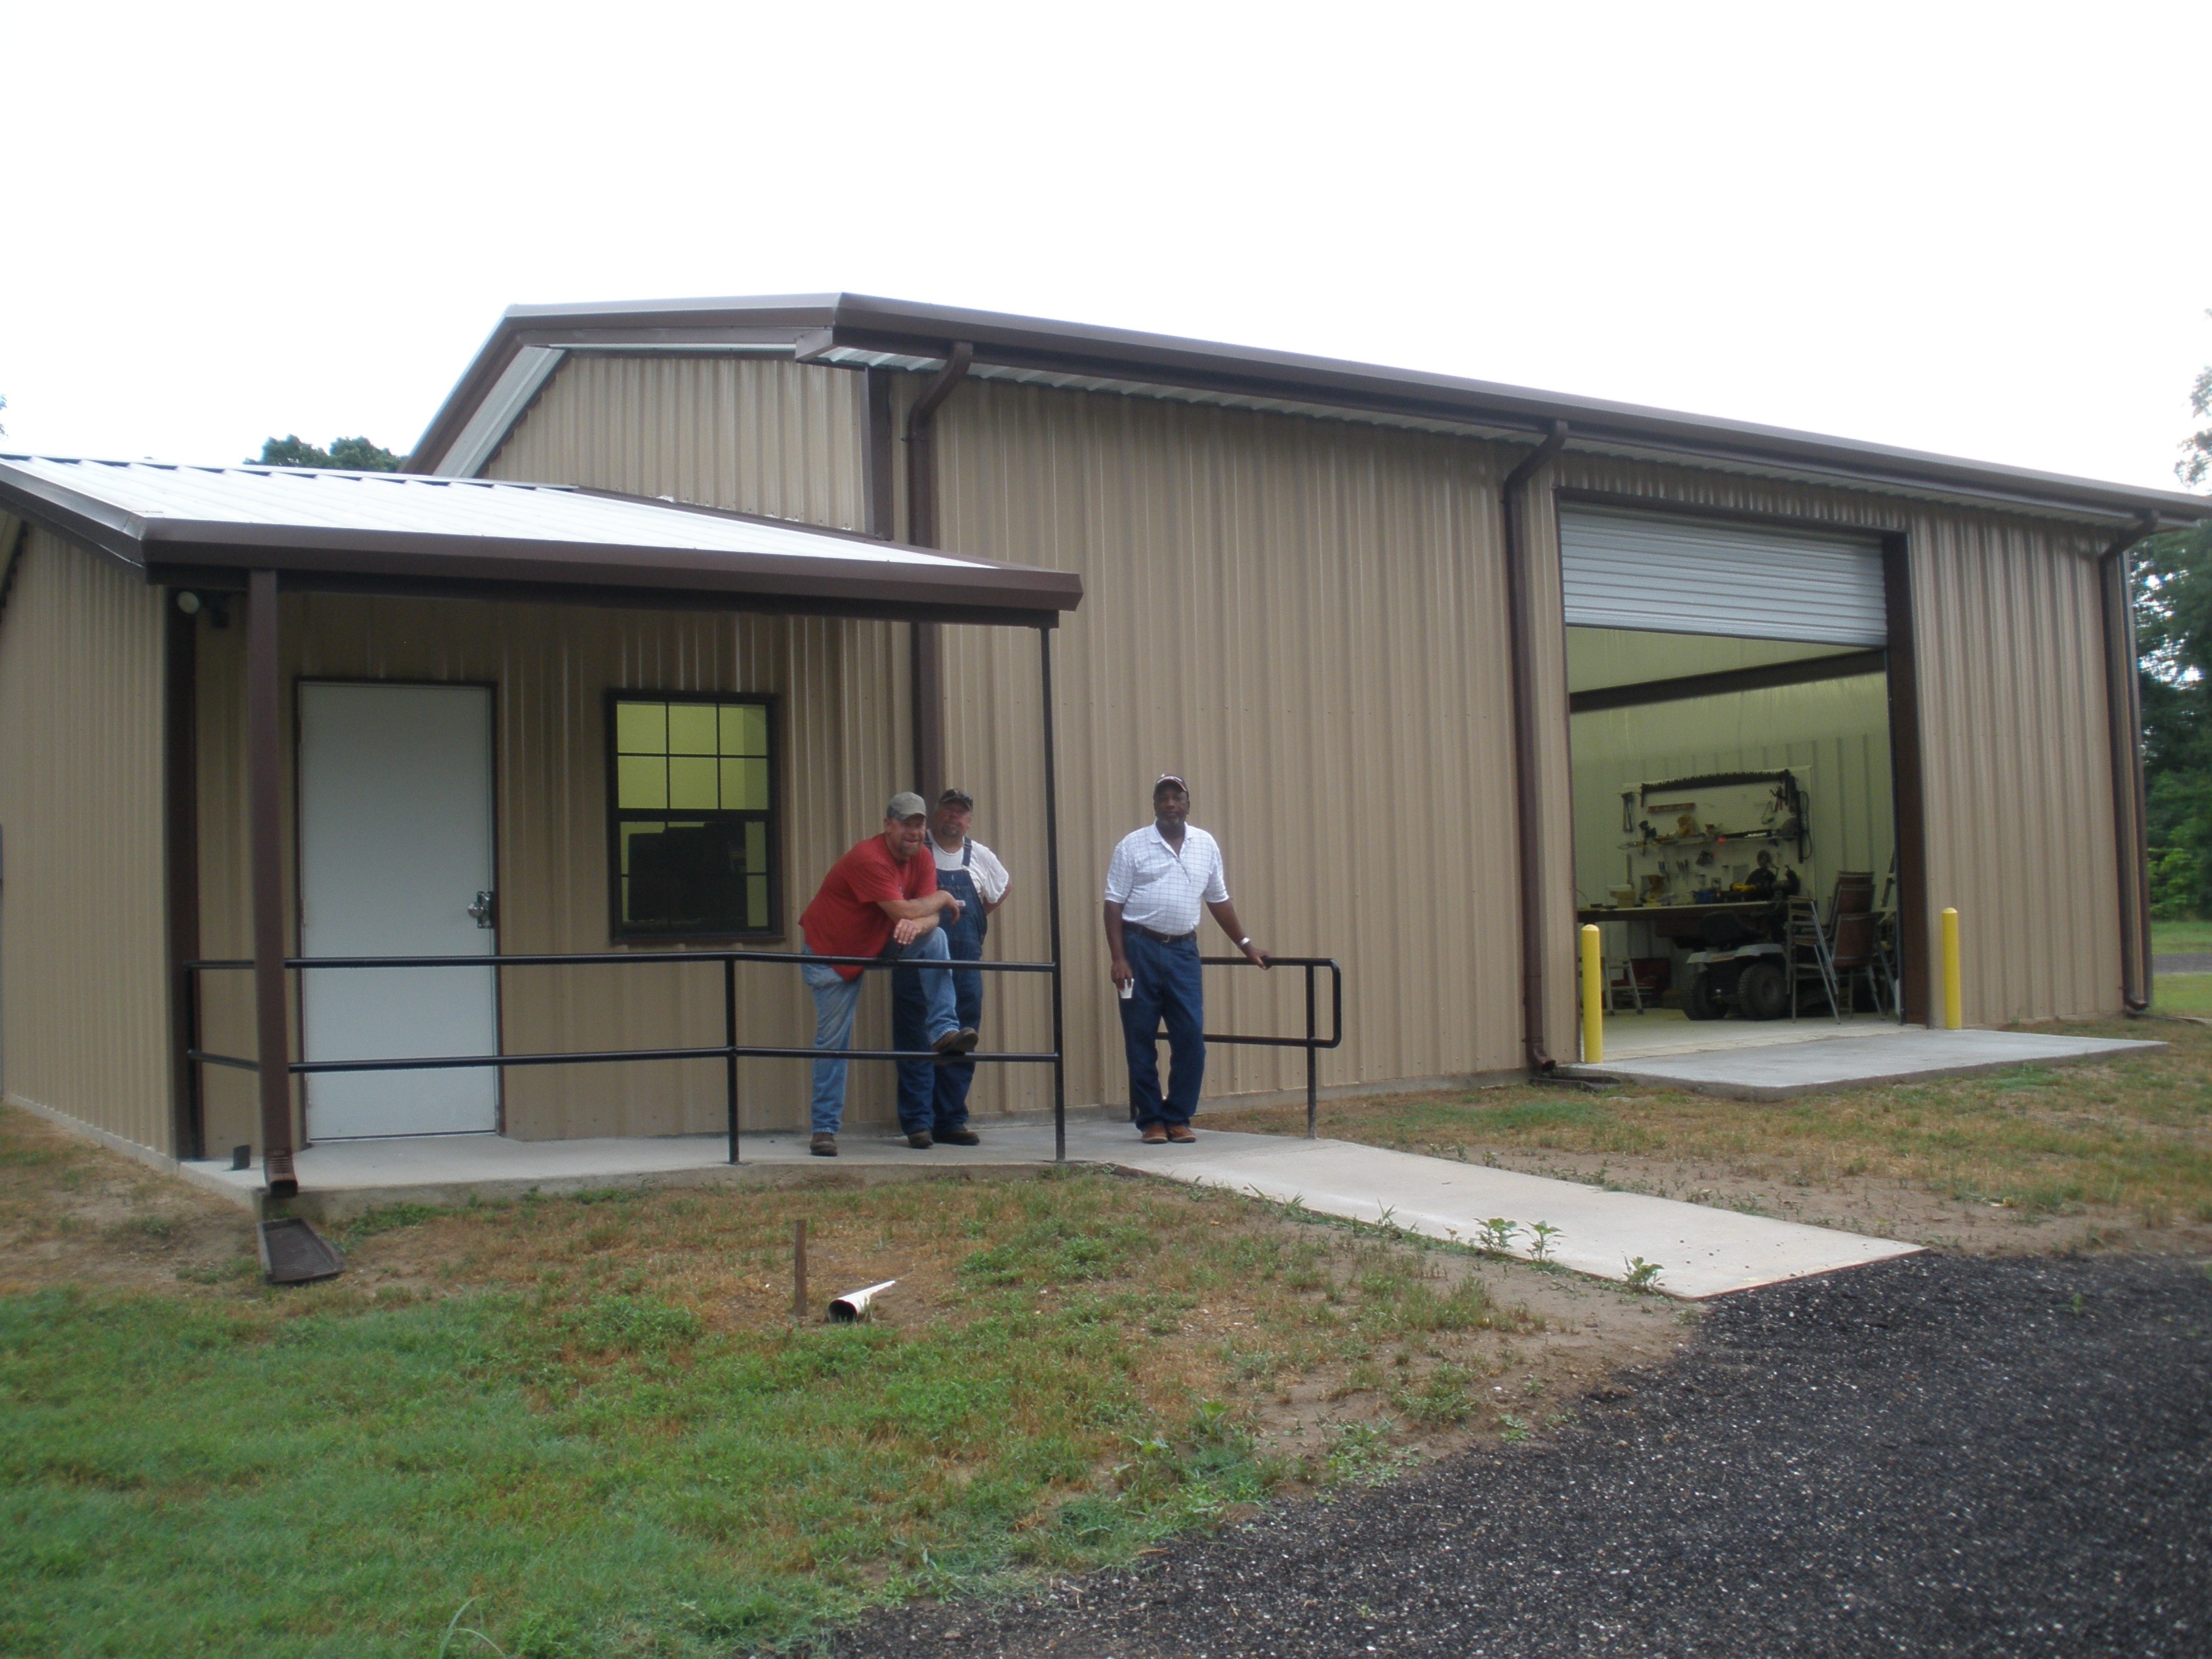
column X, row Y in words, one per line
column 1982, row 230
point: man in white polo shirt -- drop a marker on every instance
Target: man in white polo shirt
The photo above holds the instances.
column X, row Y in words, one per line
column 1161, row 879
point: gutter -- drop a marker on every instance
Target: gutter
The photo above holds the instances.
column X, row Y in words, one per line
column 927, row 653
column 2130, row 792
column 1528, row 820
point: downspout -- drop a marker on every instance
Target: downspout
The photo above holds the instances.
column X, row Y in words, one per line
column 2131, row 793
column 927, row 653
column 1528, row 816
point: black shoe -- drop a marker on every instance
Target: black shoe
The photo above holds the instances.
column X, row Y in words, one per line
column 919, row 1140
column 822, row 1146
column 960, row 1137
column 953, row 1044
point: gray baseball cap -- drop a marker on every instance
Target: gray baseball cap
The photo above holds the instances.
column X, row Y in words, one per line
column 907, row 805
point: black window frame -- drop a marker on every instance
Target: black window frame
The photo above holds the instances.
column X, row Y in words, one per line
column 619, row 929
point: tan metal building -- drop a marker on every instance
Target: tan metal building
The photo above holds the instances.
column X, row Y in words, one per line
column 1353, row 605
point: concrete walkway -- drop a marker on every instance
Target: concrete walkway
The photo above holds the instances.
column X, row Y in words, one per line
column 1908, row 1056
column 1700, row 1252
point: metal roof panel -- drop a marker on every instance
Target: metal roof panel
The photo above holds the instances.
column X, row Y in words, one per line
column 405, row 525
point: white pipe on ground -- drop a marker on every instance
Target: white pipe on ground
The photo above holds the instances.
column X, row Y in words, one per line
column 853, row 1304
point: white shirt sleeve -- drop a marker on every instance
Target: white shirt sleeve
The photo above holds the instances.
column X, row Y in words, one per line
column 988, row 873
column 1217, row 881
column 1120, row 874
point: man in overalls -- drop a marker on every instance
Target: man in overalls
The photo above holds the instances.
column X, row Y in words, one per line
column 932, row 1098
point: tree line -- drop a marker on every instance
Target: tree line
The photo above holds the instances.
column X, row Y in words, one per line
column 2173, row 635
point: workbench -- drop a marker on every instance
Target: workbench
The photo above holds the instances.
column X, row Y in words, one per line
column 1685, row 924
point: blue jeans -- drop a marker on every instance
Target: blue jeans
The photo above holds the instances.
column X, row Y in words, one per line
column 1167, row 987
column 835, row 997
column 933, row 1099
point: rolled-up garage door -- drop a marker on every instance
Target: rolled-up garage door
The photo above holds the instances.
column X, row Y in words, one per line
column 1672, row 575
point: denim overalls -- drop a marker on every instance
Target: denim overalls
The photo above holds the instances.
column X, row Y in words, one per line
column 931, row 1097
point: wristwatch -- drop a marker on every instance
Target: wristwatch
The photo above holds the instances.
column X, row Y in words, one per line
column 1244, row 942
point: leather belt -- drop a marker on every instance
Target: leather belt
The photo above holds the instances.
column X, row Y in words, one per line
column 1164, row 938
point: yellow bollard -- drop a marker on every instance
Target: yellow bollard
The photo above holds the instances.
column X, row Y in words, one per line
column 1954, row 1018
column 1593, row 996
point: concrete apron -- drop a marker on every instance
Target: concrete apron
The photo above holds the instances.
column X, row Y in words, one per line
column 1699, row 1252
column 1781, row 1071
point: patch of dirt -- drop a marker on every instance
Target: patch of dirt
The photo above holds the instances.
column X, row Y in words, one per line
column 75, row 1214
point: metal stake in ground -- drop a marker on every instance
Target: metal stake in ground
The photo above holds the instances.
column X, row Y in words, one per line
column 799, row 1268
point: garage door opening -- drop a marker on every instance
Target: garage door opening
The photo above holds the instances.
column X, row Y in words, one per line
column 1734, row 827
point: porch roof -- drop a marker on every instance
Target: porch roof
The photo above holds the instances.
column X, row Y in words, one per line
column 386, row 531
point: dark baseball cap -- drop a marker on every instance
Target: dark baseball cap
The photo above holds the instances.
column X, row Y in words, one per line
column 959, row 797
column 1170, row 781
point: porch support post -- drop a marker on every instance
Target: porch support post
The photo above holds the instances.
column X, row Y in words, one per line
column 264, row 812
column 1052, row 900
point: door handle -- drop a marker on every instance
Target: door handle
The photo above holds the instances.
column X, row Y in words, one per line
column 485, row 910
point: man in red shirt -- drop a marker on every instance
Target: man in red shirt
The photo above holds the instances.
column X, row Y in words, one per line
column 881, row 900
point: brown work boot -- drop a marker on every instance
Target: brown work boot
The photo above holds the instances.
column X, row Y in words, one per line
column 960, row 1137
column 1180, row 1133
column 1154, row 1134
column 920, row 1140
column 954, row 1044
column 822, row 1146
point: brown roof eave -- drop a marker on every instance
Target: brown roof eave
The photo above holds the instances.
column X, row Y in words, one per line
column 887, row 589
column 872, row 323
column 231, row 578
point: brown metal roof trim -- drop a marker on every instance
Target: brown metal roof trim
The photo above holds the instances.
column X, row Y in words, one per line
column 828, row 321
column 168, row 549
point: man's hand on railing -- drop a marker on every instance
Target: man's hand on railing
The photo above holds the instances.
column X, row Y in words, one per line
column 904, row 933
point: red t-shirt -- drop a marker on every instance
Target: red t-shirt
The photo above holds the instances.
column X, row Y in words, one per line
column 846, row 918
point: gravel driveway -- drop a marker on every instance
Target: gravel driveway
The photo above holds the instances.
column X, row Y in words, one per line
column 1940, row 1454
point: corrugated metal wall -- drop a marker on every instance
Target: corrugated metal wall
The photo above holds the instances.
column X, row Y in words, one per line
column 2016, row 755
column 84, row 1017
column 1305, row 618
column 759, row 434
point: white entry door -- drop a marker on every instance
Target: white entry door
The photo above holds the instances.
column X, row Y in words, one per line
column 395, row 844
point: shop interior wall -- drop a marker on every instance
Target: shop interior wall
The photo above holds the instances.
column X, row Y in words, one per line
column 1834, row 733
column 85, row 1015
column 1303, row 616
column 2016, row 773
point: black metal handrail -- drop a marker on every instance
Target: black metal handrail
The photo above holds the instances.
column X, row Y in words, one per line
column 729, row 1050
column 1311, row 1042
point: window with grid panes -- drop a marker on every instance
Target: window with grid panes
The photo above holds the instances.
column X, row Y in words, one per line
column 694, row 817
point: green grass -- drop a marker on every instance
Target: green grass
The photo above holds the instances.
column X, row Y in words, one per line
column 591, row 1423
column 2182, row 993
column 2178, row 937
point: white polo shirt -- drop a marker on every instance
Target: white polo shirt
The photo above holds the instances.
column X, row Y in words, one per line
column 1161, row 889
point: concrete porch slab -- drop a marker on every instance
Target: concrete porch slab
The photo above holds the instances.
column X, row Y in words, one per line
column 1668, row 1032
column 1700, row 1252
column 1908, row 1056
